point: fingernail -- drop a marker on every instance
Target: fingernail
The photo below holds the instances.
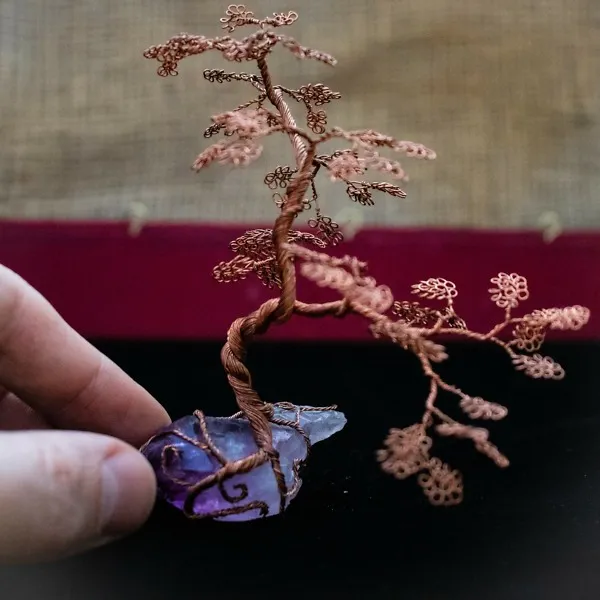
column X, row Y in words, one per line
column 128, row 493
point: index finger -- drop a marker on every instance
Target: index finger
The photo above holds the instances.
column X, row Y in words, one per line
column 62, row 376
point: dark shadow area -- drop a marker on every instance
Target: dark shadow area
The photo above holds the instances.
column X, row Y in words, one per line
column 530, row 532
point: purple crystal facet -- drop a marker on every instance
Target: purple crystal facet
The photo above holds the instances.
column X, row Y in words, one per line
column 179, row 463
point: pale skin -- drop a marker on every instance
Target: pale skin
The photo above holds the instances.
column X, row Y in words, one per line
column 71, row 478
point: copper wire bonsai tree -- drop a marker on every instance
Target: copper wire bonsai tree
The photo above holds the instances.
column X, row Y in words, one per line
column 191, row 456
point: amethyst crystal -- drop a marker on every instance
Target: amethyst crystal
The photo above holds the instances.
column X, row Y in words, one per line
column 179, row 463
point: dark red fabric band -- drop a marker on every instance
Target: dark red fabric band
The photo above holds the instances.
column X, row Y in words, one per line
column 159, row 285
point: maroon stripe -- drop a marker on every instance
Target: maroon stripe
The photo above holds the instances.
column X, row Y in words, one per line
column 159, row 284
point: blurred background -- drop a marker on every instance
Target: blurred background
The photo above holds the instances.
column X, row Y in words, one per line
column 505, row 92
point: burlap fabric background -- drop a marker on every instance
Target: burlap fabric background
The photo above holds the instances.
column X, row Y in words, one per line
column 507, row 92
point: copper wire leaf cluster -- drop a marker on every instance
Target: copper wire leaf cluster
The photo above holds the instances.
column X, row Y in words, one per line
column 237, row 15
column 413, row 313
column 406, row 452
column 280, row 177
column 478, row 408
column 530, row 332
column 255, row 253
column 313, row 95
column 509, row 290
column 349, row 164
column 252, row 47
column 327, row 230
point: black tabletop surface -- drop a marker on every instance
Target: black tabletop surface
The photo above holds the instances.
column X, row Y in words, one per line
column 529, row 532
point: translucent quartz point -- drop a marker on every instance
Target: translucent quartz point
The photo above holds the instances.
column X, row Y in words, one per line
column 179, row 463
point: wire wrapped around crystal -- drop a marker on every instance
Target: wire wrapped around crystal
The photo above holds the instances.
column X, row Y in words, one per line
column 192, row 460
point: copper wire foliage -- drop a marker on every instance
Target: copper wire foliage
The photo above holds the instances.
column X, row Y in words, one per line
column 274, row 255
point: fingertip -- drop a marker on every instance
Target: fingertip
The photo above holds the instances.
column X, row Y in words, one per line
column 129, row 492
column 65, row 492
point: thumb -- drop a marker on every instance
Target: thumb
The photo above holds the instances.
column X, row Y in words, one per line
column 64, row 492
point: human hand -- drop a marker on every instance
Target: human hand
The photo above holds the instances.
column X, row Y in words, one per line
column 66, row 490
